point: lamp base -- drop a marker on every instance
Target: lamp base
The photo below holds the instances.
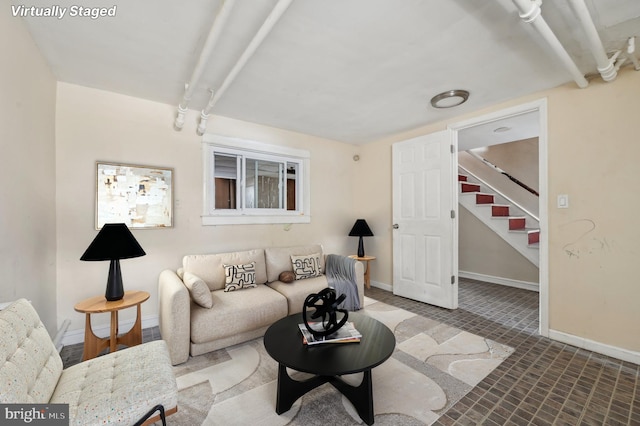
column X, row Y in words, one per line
column 115, row 290
column 361, row 248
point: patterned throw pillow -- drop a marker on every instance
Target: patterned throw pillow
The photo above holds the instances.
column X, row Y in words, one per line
column 306, row 266
column 240, row 276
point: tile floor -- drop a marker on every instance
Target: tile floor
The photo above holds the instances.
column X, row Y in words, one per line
column 542, row 383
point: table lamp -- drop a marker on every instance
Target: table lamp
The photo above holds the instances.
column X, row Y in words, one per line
column 360, row 229
column 113, row 242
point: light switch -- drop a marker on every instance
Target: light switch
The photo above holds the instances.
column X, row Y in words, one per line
column 563, row 201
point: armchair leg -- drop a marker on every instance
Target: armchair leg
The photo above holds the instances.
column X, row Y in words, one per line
column 159, row 408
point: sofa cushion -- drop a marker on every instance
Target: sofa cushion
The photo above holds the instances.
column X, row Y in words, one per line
column 278, row 259
column 31, row 365
column 210, row 267
column 306, row 266
column 298, row 291
column 198, row 290
column 240, row 276
column 121, row 386
column 235, row 312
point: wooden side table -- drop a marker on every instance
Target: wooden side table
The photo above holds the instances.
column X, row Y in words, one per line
column 93, row 344
column 366, row 259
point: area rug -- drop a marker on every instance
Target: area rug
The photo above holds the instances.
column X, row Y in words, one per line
column 432, row 367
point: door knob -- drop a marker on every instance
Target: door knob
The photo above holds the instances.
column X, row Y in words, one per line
column 396, row 226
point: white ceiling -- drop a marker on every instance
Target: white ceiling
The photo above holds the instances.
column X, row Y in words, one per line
column 350, row 70
column 509, row 129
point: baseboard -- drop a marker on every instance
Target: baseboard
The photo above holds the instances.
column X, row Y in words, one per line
column 475, row 276
column 525, row 285
column 591, row 345
column 76, row 336
column 380, row 285
column 57, row 339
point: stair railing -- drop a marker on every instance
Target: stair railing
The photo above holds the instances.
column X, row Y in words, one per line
column 499, row 170
column 503, row 195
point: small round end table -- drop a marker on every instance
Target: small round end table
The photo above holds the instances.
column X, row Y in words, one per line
column 93, row 344
column 366, row 259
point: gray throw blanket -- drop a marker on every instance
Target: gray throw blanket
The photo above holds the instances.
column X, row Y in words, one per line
column 341, row 276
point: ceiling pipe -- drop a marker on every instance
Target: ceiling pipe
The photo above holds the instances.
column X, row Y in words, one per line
column 530, row 13
column 265, row 29
column 213, row 37
column 631, row 53
column 606, row 66
column 204, row 116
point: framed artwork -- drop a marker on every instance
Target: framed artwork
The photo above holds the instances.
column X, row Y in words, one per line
column 139, row 196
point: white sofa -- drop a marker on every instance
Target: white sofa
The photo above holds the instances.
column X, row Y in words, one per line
column 118, row 388
column 236, row 316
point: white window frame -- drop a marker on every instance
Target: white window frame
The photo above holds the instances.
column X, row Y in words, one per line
column 212, row 144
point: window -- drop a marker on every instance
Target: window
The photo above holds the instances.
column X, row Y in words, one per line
column 250, row 182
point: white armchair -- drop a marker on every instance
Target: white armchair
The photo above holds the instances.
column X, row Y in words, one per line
column 125, row 387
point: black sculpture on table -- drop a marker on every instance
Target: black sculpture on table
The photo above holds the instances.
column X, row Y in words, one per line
column 326, row 306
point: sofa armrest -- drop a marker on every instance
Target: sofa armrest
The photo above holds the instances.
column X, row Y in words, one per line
column 174, row 315
column 359, row 270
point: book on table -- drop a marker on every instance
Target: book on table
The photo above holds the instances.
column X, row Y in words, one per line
column 345, row 334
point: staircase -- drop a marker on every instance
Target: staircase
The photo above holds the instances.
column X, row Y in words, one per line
column 513, row 224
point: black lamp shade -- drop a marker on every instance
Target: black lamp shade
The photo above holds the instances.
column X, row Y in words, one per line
column 113, row 242
column 360, row 229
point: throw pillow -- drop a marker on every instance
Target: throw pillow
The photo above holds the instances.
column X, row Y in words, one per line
column 287, row 277
column 198, row 290
column 306, row 266
column 240, row 276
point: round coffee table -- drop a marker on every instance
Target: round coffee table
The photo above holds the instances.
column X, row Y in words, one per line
column 327, row 361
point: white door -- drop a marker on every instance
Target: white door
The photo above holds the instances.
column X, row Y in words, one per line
column 425, row 244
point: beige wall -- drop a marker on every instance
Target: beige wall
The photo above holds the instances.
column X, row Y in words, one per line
column 27, row 172
column 519, row 159
column 593, row 153
column 482, row 251
column 94, row 125
column 592, row 148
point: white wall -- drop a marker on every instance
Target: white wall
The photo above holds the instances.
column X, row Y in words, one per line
column 94, row 125
column 27, row 172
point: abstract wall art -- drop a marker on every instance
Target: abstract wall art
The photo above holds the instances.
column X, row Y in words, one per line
column 139, row 196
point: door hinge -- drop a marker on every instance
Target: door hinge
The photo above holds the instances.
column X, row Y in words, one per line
column 452, row 149
column 453, row 214
column 453, row 279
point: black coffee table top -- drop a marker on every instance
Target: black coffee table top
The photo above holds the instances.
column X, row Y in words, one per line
column 283, row 342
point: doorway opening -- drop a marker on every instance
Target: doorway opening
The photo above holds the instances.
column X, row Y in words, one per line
column 515, row 124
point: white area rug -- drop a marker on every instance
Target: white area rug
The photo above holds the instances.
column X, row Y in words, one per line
column 433, row 366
